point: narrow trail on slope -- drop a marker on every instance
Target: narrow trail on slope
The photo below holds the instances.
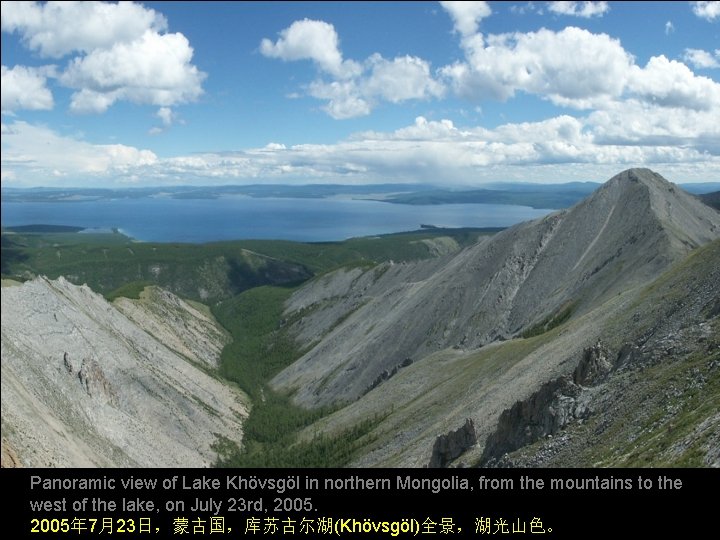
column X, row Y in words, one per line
column 602, row 229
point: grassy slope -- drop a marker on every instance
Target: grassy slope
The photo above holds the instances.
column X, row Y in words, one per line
column 670, row 399
column 661, row 416
column 666, row 422
column 416, row 403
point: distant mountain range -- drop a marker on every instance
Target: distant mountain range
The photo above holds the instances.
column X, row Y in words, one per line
column 552, row 196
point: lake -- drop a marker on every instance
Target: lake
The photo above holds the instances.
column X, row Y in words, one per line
column 237, row 217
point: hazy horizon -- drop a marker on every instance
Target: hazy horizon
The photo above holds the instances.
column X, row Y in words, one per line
column 715, row 184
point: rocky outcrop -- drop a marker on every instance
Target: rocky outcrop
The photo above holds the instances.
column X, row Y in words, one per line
column 594, row 366
column 452, row 445
column 654, row 401
column 543, row 414
column 83, row 384
column 556, row 404
column 385, row 375
column 94, row 382
column 658, row 408
column 91, row 377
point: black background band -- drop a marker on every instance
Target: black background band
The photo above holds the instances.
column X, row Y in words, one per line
column 459, row 503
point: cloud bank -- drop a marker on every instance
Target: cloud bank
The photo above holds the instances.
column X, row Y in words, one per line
column 351, row 88
column 114, row 52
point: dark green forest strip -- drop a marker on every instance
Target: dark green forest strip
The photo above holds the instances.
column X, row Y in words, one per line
column 551, row 321
column 262, row 347
column 204, row 272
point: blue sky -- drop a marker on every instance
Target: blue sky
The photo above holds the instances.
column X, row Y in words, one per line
column 452, row 93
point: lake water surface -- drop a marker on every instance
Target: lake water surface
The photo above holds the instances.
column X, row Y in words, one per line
column 233, row 218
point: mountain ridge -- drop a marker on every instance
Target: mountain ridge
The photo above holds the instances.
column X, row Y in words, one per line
column 85, row 384
column 662, row 334
column 622, row 236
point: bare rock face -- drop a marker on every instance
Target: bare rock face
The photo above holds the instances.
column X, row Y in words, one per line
column 84, row 384
column 450, row 446
column 543, row 414
column 95, row 383
column 594, row 366
column 177, row 323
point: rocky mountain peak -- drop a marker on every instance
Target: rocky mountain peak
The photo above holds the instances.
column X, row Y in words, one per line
column 634, row 186
column 640, row 201
column 644, row 176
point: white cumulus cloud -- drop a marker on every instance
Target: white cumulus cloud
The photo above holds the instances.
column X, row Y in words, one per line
column 156, row 69
column 400, row 79
column 706, row 10
column 55, row 29
column 679, row 143
column 579, row 9
column 539, row 63
column 34, row 152
column 354, row 88
column 634, row 122
column 343, row 98
column 25, row 88
column 702, row 59
column 597, row 74
column 310, row 40
column 559, row 147
column 467, row 15
column 672, row 84
column 118, row 51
